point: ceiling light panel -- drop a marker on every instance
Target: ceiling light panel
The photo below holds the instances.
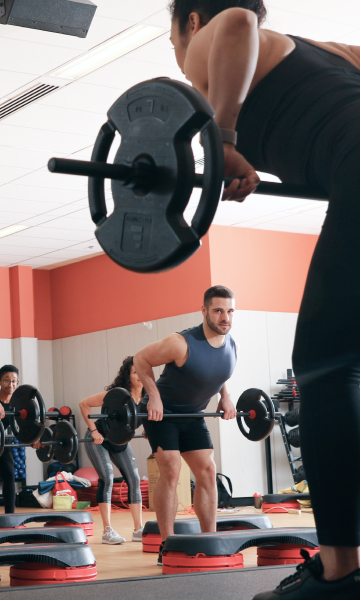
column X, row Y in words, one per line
column 12, row 229
column 108, row 51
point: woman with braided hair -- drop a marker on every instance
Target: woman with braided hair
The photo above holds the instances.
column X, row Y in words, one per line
column 103, row 453
column 290, row 107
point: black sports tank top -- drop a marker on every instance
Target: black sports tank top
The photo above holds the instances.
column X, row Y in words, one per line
column 282, row 118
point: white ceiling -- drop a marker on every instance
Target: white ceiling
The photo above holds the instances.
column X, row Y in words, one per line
column 66, row 122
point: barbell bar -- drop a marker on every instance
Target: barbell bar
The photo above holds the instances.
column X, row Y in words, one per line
column 143, row 177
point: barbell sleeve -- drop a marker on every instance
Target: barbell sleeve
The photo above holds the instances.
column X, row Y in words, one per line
column 23, row 414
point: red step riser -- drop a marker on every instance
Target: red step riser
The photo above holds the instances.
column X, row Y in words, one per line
column 31, row 574
column 285, row 553
column 264, row 561
column 171, row 570
column 174, row 559
column 281, row 508
column 87, row 527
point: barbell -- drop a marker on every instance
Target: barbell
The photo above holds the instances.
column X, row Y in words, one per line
column 27, row 414
column 153, row 176
column 59, row 442
column 255, row 415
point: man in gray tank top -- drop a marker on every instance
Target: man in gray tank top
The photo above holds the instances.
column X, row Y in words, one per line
column 198, row 363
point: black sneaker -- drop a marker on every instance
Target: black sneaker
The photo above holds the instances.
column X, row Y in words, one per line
column 160, row 560
column 307, row 583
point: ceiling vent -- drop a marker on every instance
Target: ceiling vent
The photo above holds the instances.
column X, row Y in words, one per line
column 19, row 102
column 29, row 93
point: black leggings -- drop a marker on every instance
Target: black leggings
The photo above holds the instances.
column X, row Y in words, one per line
column 8, row 477
column 326, row 351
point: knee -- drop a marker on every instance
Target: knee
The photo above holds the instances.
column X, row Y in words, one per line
column 207, row 473
column 170, row 471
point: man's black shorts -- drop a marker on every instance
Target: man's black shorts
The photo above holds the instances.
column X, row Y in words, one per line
column 184, row 434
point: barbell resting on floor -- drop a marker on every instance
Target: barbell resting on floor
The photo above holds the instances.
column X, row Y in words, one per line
column 153, row 176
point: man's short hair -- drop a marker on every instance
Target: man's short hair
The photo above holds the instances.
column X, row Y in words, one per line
column 8, row 368
column 216, row 291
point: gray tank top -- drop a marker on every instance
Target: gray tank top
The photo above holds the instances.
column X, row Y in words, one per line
column 188, row 389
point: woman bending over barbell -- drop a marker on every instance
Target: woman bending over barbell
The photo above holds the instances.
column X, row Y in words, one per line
column 101, row 453
column 294, row 105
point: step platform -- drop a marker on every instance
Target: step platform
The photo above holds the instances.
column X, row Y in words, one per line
column 282, row 503
column 58, row 519
column 63, row 563
column 184, row 550
column 65, row 534
column 151, row 538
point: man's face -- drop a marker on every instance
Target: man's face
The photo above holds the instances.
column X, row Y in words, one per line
column 219, row 314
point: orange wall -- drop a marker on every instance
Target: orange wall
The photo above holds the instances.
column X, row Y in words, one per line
column 42, row 305
column 96, row 294
column 22, row 301
column 266, row 270
column 5, row 304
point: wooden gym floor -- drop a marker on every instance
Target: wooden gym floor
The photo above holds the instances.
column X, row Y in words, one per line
column 128, row 560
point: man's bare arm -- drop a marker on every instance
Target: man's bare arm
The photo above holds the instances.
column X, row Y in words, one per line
column 172, row 349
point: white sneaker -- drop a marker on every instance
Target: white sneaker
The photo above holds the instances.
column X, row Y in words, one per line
column 137, row 535
column 110, row 537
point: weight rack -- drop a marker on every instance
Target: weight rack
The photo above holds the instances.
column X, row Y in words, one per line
column 290, row 394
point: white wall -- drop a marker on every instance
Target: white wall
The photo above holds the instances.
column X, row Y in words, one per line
column 265, row 341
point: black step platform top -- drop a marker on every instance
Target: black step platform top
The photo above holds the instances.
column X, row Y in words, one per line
column 66, row 534
column 286, row 498
column 13, row 520
column 67, row 556
column 229, row 543
column 192, row 526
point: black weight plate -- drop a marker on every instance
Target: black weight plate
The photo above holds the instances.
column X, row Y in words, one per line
column 46, row 453
column 66, row 435
column 261, row 425
column 28, row 428
column 157, row 120
column 119, row 427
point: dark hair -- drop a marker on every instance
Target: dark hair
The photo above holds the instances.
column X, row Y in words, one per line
column 8, row 368
column 207, row 9
column 122, row 379
column 216, row 291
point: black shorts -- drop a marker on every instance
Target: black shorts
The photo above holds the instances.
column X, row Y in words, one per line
column 184, row 434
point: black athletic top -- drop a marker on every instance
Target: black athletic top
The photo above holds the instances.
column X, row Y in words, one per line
column 188, row 389
column 5, row 420
column 280, row 124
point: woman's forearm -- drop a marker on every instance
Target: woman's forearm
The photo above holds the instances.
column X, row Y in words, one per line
column 232, row 64
column 86, row 405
